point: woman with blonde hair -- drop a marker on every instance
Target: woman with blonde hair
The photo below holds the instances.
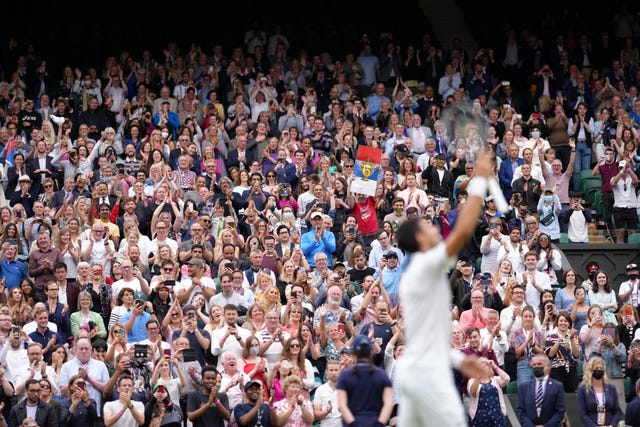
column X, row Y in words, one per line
column 598, row 402
column 255, row 318
column 215, row 320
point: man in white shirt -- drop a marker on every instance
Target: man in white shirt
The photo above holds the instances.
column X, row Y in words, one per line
column 230, row 337
column 162, row 236
column 511, row 316
column 629, row 292
column 536, row 170
column 493, row 337
column 534, row 281
column 196, row 282
column 228, row 296
column 419, row 134
column 513, row 250
column 131, row 278
column 325, row 398
column 625, row 201
column 124, row 412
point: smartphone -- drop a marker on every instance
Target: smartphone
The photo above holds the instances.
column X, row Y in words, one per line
column 493, row 226
column 191, row 315
column 611, row 332
column 628, row 310
column 81, row 385
column 189, row 355
column 18, row 214
column 167, row 352
column 139, row 302
column 120, row 332
column 294, row 294
column 169, row 282
column 341, row 328
column 485, row 282
column 15, row 330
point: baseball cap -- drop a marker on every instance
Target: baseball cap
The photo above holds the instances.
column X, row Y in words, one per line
column 465, row 262
column 316, row 214
column 402, row 148
column 632, row 266
column 361, row 345
column 196, row 261
column 488, row 198
column 392, row 254
column 593, row 266
column 251, row 383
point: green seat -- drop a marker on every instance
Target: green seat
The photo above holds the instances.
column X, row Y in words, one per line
column 512, row 387
column 586, row 173
column 580, row 369
column 564, row 237
column 634, row 238
column 590, row 185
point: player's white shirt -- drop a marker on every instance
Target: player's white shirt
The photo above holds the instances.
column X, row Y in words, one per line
column 425, row 295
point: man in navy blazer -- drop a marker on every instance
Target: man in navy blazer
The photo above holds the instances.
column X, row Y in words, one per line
column 552, row 409
column 508, row 167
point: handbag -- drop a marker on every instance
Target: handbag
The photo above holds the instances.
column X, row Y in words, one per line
column 548, row 218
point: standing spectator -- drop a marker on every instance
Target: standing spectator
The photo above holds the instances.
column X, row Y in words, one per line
column 209, row 407
column 607, row 168
column 93, row 371
column 24, row 413
column 597, row 399
column 581, row 128
column 540, row 400
column 325, row 398
column 317, row 240
column 124, row 412
column 625, row 200
column 42, row 262
column 574, row 219
column 254, row 411
column 486, row 402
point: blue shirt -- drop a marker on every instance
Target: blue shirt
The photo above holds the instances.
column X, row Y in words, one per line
column 14, row 271
column 309, row 246
column 43, row 340
column 138, row 331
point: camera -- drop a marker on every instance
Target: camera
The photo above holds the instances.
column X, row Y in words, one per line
column 191, row 315
column 140, row 351
column 169, row 282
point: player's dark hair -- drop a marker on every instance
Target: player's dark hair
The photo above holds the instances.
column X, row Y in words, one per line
column 406, row 235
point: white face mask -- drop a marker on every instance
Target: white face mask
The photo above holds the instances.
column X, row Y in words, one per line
column 535, row 135
column 165, row 134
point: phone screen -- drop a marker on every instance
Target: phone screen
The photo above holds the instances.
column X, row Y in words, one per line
column 611, row 332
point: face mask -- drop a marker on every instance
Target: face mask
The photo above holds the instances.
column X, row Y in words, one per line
column 288, row 214
column 165, row 134
column 535, row 135
column 548, row 199
column 598, row 374
column 476, row 105
column 538, row 371
column 254, row 349
column 632, row 276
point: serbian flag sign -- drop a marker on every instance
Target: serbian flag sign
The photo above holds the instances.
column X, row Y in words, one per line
column 366, row 171
column 10, row 152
